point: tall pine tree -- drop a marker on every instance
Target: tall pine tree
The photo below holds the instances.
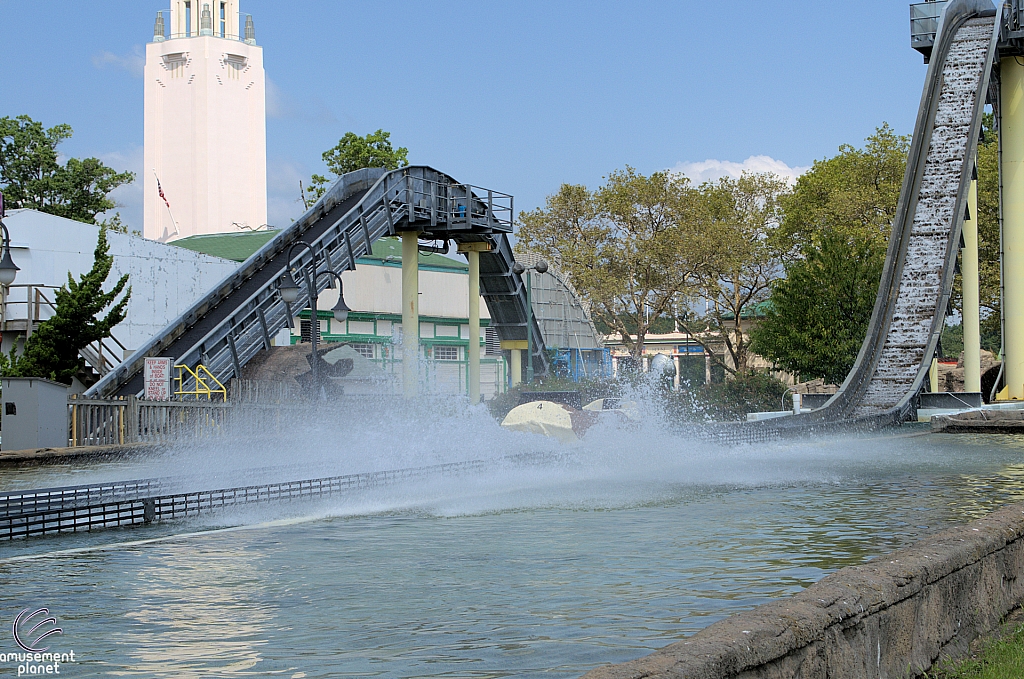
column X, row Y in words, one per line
column 53, row 349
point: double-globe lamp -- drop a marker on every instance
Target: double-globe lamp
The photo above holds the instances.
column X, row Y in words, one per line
column 290, row 293
column 8, row 269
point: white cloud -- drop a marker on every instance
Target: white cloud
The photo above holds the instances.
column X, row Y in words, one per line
column 712, row 169
column 134, row 63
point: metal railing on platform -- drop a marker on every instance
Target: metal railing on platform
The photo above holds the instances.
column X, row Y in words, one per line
column 84, row 508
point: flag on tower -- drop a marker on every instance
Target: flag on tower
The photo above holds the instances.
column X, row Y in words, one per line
column 160, row 190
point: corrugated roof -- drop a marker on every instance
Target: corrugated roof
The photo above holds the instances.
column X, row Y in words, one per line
column 240, row 246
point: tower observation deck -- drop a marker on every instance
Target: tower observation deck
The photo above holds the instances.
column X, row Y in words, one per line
column 205, row 123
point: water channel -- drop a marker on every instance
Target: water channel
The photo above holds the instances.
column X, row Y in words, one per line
column 603, row 553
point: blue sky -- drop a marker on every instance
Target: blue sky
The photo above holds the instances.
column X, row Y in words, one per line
column 515, row 96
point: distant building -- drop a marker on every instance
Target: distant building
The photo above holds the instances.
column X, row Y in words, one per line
column 695, row 364
column 205, row 123
column 165, row 280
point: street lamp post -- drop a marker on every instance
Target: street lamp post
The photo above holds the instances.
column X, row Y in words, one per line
column 8, row 269
column 540, row 267
column 290, row 292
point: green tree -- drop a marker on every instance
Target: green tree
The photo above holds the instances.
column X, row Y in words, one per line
column 836, row 229
column 31, row 175
column 819, row 312
column 854, row 191
column 630, row 248
column 52, row 351
column 115, row 225
column 352, row 153
column 747, row 392
column 743, row 215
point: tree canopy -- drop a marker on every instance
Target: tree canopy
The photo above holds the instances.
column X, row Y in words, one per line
column 52, row 351
column 819, row 313
column 854, row 191
column 743, row 215
column 32, row 176
column 836, row 226
column 631, row 247
column 352, row 153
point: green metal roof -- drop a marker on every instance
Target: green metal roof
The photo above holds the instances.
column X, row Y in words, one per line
column 237, row 247
column 240, row 246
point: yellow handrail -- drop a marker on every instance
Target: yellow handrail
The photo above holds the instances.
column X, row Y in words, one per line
column 202, row 387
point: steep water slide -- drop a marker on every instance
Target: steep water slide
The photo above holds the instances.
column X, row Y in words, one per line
column 917, row 278
column 237, row 318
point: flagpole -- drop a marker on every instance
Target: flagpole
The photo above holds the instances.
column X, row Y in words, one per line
column 160, row 189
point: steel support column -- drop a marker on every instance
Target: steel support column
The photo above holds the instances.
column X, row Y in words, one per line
column 516, row 349
column 410, row 314
column 969, row 277
column 1011, row 132
column 472, row 252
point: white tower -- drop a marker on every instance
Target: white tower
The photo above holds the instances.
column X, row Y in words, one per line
column 206, row 134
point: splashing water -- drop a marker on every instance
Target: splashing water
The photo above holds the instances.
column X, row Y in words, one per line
column 600, row 552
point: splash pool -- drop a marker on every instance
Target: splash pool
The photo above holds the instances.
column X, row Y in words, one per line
column 604, row 553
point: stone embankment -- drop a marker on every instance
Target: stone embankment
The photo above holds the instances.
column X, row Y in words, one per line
column 36, row 456
column 891, row 617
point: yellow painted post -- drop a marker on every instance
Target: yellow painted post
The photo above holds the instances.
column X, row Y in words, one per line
column 972, row 304
column 1011, row 130
column 410, row 314
column 472, row 252
column 474, row 327
column 933, row 376
column 516, row 349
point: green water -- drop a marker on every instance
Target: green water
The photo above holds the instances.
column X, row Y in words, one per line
column 547, row 570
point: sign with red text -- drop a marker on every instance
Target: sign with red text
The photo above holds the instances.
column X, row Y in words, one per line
column 158, row 379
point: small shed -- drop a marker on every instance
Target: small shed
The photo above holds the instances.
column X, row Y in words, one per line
column 35, row 413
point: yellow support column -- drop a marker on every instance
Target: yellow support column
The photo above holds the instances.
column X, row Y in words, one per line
column 516, row 349
column 1011, row 131
column 410, row 314
column 933, row 376
column 472, row 252
column 972, row 303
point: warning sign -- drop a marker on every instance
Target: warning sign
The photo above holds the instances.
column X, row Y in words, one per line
column 158, row 379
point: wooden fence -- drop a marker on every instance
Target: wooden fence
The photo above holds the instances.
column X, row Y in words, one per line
column 96, row 422
column 254, row 405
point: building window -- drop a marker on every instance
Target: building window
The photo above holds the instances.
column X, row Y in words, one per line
column 492, row 343
column 304, row 335
column 444, row 352
column 364, row 350
column 188, row 19
column 223, row 18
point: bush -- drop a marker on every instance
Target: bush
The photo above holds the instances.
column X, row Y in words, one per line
column 749, row 392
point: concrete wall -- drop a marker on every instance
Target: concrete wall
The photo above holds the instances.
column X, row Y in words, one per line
column 165, row 279
column 891, row 617
column 379, row 288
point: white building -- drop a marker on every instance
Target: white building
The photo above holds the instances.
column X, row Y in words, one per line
column 165, row 280
column 205, row 123
column 373, row 329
